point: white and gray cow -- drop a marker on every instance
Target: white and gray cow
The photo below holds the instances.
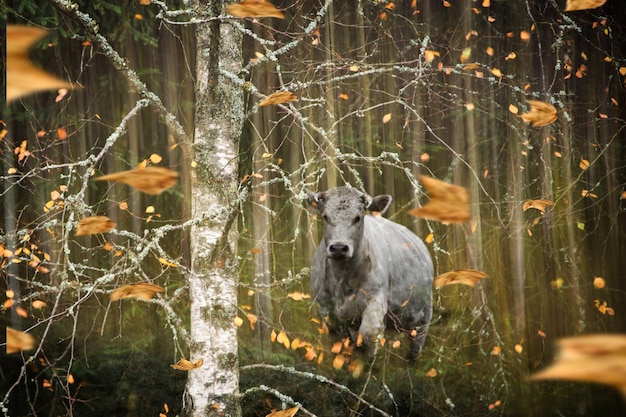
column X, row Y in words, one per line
column 368, row 272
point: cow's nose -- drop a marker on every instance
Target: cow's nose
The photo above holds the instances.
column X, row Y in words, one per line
column 338, row 250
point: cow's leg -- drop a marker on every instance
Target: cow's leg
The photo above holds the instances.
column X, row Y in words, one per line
column 373, row 322
column 420, row 330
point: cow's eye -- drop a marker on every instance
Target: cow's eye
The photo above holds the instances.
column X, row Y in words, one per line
column 326, row 218
column 356, row 219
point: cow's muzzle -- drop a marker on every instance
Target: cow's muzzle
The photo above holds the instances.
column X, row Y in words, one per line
column 339, row 251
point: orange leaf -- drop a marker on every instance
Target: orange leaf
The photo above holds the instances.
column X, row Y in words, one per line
column 185, row 365
column 254, row 8
column 539, row 204
column 150, row 180
column 432, row 372
column 339, row 361
column 18, row 341
column 290, row 412
column 94, row 224
column 598, row 282
column 448, row 203
column 540, row 114
column 278, row 97
column 22, row 77
column 462, row 276
column 573, row 5
column 142, row 290
column 599, row 358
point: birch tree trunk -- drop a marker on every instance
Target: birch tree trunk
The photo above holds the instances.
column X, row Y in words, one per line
column 214, row 387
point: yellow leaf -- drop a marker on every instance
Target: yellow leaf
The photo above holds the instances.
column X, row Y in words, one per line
column 622, row 71
column 185, row 365
column 155, row 158
column 429, row 238
column 298, row 296
column 142, row 290
column 343, row 96
column 168, row 263
column 557, row 283
column 254, row 8
column 539, row 204
column 462, row 276
column 448, row 203
column 496, row 72
column 17, row 341
column 22, row 77
column 496, row 350
column 94, row 224
column 283, row 339
column 430, row 55
column 431, row 373
column 510, row 56
column 278, row 97
column 519, row 348
column 598, row 282
column 238, row 321
column 38, row 304
column 574, row 5
column 150, row 180
column 290, row 412
column 489, row 51
column 540, row 114
column 386, row 118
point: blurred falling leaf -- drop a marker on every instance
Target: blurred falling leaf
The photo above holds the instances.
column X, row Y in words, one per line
column 150, row 180
column 278, row 97
column 185, row 365
column 431, row 373
column 94, row 224
column 540, row 114
column 254, row 8
column 38, row 304
column 18, row 341
column 598, row 282
column 142, row 290
column 573, row 5
column 290, row 412
column 448, row 203
column 386, row 118
column 539, row 204
column 599, row 358
column 298, row 296
column 462, row 276
column 22, row 77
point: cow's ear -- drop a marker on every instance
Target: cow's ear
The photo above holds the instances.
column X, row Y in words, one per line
column 316, row 201
column 380, row 203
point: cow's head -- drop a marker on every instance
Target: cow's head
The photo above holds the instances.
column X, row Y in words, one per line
column 342, row 211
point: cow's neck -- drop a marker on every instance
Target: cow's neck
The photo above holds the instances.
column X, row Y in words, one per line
column 350, row 272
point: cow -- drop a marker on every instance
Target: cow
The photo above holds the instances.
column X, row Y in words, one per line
column 369, row 273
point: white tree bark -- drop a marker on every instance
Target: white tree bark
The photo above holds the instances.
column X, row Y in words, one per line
column 214, row 387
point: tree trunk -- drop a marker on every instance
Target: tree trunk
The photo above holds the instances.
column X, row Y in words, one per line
column 213, row 389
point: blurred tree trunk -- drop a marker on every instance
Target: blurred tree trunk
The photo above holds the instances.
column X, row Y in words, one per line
column 213, row 389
